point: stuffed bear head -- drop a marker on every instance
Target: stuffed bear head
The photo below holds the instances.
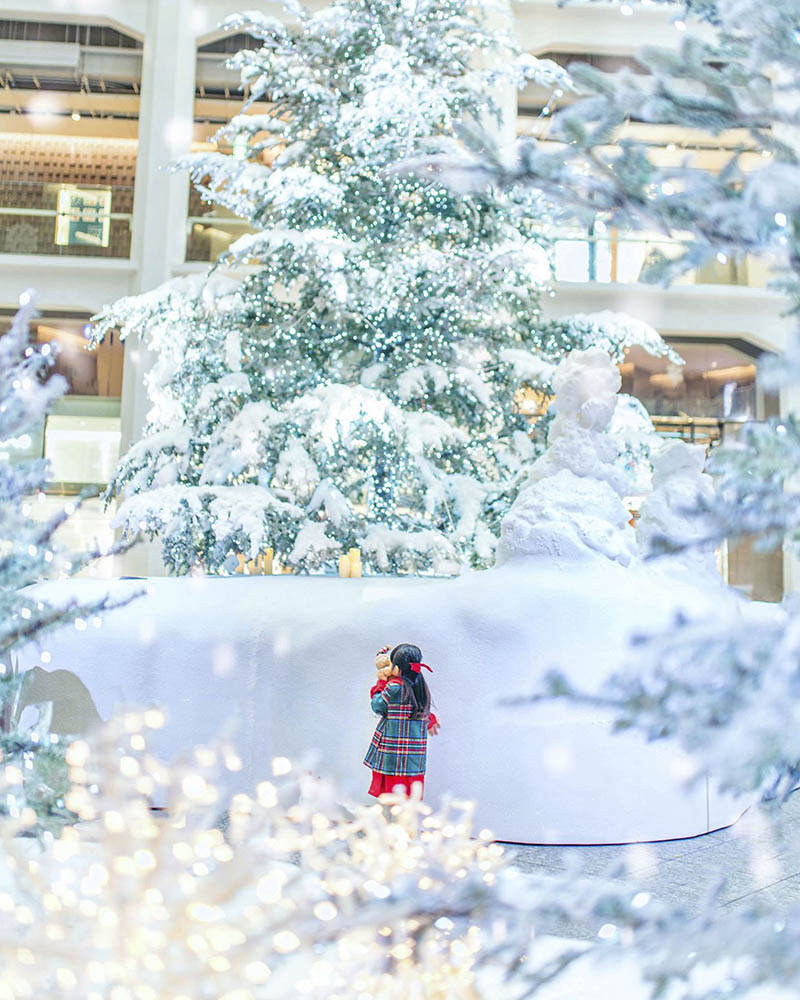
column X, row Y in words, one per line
column 384, row 665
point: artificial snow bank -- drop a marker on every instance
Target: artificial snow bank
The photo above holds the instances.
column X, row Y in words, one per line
column 291, row 659
column 571, row 509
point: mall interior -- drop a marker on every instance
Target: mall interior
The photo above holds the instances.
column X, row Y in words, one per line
column 99, row 96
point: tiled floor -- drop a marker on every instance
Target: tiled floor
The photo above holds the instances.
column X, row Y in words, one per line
column 755, row 861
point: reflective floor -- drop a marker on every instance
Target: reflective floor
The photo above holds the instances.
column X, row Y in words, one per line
column 756, row 861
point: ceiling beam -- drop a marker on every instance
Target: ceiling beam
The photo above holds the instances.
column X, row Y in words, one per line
column 127, row 16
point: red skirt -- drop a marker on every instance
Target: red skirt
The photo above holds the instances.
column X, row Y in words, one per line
column 383, row 783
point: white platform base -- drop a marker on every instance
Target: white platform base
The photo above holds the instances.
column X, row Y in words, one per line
column 290, row 661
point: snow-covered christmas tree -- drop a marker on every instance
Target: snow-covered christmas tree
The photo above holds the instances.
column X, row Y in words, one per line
column 34, row 776
column 366, row 384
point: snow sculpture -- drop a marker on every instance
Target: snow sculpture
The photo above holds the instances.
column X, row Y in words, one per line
column 638, row 443
column 668, row 522
column 571, row 505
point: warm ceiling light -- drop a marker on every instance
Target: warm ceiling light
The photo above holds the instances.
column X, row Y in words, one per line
column 736, row 373
column 42, row 107
column 46, row 332
column 665, row 380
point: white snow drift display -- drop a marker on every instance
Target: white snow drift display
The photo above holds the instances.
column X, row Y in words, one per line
column 667, row 520
column 571, row 505
column 289, row 659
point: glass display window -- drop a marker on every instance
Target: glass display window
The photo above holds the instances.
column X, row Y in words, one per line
column 81, row 448
column 88, row 371
column 717, row 380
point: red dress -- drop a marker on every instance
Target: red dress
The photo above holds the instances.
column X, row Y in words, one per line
column 383, row 783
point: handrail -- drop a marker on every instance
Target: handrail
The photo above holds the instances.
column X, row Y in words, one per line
column 52, row 212
column 232, row 221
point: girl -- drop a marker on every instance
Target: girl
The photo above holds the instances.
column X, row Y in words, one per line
column 397, row 754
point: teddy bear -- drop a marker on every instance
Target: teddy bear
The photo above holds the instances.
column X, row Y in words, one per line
column 384, row 665
column 386, row 670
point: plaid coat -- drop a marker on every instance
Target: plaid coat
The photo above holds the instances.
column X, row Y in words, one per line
column 400, row 743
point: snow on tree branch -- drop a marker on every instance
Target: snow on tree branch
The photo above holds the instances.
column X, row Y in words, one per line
column 30, row 552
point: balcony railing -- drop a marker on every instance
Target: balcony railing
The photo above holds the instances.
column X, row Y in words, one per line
column 71, row 220
column 93, row 220
column 611, row 257
column 605, row 258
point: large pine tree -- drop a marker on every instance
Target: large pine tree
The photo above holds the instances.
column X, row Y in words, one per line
column 361, row 386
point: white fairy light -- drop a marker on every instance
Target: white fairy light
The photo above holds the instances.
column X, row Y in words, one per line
column 336, row 894
column 154, row 718
column 281, row 766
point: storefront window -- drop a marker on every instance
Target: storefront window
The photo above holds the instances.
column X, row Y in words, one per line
column 88, row 371
column 81, row 448
column 703, row 401
column 96, row 372
column 718, row 380
column 80, row 437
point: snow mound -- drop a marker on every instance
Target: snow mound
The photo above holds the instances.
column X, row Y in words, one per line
column 289, row 660
column 571, row 505
column 567, row 517
column 637, row 440
column 668, row 516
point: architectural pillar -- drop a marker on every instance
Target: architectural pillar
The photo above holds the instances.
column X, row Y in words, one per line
column 160, row 203
column 500, row 18
column 788, row 98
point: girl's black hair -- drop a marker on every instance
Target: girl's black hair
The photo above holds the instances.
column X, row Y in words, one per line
column 415, row 688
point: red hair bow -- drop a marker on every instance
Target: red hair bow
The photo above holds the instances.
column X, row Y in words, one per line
column 417, row 667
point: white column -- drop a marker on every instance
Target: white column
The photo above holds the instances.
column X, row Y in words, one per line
column 166, row 113
column 499, row 17
column 160, row 203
